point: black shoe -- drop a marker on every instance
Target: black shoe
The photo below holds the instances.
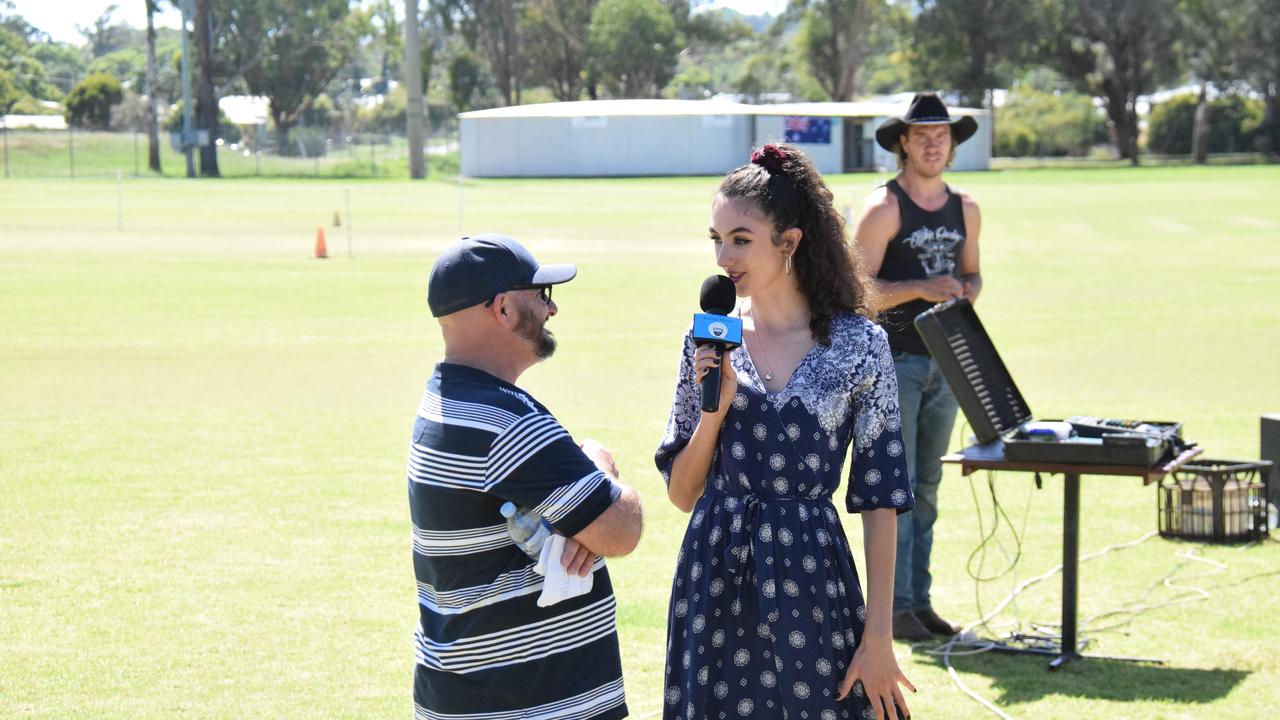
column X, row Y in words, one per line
column 906, row 626
column 936, row 625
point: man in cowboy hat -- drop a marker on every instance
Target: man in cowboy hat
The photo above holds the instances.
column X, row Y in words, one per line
column 919, row 240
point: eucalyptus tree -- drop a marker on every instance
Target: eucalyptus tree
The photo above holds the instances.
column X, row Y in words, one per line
column 492, row 29
column 304, row 45
column 633, row 46
column 964, row 45
column 153, row 126
column 1117, row 50
column 554, row 41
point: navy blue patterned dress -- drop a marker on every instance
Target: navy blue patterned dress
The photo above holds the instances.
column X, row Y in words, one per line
column 766, row 607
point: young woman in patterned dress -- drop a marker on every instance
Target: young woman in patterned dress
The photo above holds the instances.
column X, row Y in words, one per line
column 767, row 617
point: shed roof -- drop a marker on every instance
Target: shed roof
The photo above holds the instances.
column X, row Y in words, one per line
column 599, row 108
column 866, row 108
column 658, row 108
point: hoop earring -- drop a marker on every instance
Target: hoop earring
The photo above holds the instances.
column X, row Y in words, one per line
column 788, row 264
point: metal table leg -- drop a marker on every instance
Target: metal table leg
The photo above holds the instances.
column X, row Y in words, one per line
column 1070, row 568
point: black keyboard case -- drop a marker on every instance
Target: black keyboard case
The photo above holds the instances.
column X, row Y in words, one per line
column 996, row 409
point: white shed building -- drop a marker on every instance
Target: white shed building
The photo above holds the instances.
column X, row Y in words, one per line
column 612, row 138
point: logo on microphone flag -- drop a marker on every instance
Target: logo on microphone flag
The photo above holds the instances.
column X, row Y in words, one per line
column 719, row 329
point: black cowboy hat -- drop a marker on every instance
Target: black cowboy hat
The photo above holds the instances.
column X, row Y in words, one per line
column 925, row 109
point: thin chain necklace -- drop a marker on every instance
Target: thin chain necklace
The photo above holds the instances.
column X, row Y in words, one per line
column 768, row 372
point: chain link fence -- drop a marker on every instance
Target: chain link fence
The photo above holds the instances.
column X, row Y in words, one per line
column 249, row 152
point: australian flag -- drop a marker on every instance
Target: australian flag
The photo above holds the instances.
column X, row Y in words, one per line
column 813, row 130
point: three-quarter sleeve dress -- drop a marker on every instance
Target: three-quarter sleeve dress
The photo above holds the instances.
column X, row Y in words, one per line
column 766, row 608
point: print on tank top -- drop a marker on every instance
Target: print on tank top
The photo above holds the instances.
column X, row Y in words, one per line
column 936, row 249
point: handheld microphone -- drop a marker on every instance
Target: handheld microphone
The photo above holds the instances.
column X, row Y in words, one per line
column 712, row 326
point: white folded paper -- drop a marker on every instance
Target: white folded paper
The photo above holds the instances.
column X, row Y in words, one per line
column 557, row 583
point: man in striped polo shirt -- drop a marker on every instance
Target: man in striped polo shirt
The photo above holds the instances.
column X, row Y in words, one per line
column 484, row 648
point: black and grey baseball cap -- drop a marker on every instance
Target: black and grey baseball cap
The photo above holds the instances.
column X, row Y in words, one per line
column 474, row 269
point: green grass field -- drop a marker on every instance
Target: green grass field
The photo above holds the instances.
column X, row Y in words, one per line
column 203, row 436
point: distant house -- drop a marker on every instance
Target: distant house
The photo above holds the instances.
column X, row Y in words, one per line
column 246, row 110
column 612, row 138
column 33, row 122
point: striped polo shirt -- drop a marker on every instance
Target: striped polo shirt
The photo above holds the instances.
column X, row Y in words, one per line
column 484, row 649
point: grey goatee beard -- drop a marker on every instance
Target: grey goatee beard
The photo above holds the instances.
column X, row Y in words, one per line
column 537, row 334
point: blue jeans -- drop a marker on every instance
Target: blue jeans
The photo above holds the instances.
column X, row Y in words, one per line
column 928, row 413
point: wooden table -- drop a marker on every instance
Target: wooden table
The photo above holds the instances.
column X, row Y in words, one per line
column 991, row 457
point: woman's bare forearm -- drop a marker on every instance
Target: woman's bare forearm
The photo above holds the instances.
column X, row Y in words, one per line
column 691, row 465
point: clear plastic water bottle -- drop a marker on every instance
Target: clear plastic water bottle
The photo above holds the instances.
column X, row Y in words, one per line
column 529, row 531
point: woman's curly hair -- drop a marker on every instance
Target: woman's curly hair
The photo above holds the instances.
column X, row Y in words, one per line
column 783, row 183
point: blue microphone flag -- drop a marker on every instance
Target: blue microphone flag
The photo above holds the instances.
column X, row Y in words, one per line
column 717, row 329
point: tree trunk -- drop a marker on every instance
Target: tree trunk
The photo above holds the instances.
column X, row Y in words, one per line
column 1200, row 128
column 1129, row 138
column 1124, row 120
column 415, row 122
column 846, row 83
column 1126, row 136
column 512, row 26
column 1271, row 121
column 500, row 39
column 976, row 78
column 282, row 134
column 153, row 129
column 206, row 99
column 854, row 52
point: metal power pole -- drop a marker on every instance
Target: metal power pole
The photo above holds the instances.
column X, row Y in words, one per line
column 415, row 117
column 188, row 124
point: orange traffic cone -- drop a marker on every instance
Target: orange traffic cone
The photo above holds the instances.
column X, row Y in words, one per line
column 321, row 251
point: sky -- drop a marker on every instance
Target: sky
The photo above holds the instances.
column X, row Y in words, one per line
column 60, row 17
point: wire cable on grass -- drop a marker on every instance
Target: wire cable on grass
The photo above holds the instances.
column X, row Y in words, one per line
column 970, row 644
column 985, row 539
column 1190, row 593
column 966, row 642
column 998, row 512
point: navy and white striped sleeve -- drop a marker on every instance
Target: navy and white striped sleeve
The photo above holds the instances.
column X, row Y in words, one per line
column 537, row 465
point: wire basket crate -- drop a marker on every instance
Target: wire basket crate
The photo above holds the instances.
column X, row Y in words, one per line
column 1215, row 500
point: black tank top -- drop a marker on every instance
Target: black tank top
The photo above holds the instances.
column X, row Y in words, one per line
column 928, row 245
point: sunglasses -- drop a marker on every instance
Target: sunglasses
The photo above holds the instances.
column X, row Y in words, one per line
column 544, row 293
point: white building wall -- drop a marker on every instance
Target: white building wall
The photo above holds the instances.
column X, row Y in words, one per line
column 829, row 157
column 603, row 146
column 656, row 144
column 975, row 153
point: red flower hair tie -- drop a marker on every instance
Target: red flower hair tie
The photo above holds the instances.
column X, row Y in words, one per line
column 770, row 157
